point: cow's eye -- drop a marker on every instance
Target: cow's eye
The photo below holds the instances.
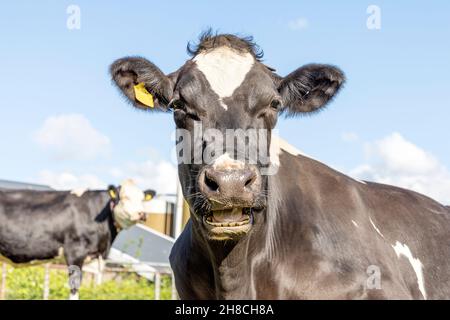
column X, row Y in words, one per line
column 275, row 104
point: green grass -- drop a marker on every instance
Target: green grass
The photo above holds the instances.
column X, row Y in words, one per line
column 28, row 284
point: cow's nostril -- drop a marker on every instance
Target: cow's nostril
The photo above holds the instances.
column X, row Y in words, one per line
column 211, row 184
column 249, row 181
column 250, row 178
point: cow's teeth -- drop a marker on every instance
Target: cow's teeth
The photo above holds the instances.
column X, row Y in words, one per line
column 227, row 224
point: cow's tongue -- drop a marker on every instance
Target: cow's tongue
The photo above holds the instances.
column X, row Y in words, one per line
column 231, row 215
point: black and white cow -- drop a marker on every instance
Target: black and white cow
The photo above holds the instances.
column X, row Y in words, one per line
column 42, row 226
column 305, row 231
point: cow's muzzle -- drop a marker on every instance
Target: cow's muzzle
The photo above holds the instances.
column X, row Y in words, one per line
column 232, row 195
column 230, row 188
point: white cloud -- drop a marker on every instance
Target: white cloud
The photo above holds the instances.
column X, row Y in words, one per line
column 349, row 137
column 161, row 176
column 396, row 161
column 72, row 137
column 158, row 175
column 69, row 181
column 298, row 24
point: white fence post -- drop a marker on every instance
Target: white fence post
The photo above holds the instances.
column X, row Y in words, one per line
column 157, row 286
column 174, row 288
column 3, row 286
column 46, row 281
column 99, row 274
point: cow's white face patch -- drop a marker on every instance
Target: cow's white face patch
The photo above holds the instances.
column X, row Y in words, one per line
column 225, row 162
column 131, row 204
column 403, row 250
column 225, row 69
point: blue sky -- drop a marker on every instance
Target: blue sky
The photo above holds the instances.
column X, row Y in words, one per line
column 389, row 123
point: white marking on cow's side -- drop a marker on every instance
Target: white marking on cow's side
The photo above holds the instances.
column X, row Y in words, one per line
column 78, row 191
column 375, row 227
column 403, row 250
column 225, row 69
column 354, row 223
column 225, row 162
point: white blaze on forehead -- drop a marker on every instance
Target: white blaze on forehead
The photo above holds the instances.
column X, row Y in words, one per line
column 225, row 69
column 225, row 162
column 403, row 250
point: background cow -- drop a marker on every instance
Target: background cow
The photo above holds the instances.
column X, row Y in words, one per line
column 41, row 226
column 304, row 231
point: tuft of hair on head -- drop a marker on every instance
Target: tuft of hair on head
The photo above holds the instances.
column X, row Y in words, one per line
column 209, row 40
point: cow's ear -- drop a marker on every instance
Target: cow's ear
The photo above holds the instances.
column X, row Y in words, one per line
column 143, row 83
column 310, row 87
column 113, row 192
column 149, row 195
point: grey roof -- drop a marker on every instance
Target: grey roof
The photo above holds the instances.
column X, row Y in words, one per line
column 144, row 244
column 6, row 184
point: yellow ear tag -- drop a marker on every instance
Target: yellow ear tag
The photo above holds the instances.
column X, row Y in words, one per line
column 143, row 96
column 112, row 194
column 148, row 197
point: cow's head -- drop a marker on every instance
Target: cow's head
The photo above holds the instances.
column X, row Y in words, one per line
column 225, row 86
column 129, row 203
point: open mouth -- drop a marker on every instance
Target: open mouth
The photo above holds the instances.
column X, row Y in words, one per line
column 229, row 218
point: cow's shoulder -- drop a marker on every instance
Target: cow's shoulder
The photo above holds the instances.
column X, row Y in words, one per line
column 310, row 175
column 306, row 171
column 401, row 198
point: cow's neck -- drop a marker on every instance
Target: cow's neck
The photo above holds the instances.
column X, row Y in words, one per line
column 256, row 252
column 228, row 259
column 105, row 217
column 225, row 259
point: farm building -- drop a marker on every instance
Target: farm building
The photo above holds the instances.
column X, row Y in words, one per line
column 6, row 184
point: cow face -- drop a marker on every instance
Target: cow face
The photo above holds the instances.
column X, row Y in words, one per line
column 224, row 90
column 129, row 203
